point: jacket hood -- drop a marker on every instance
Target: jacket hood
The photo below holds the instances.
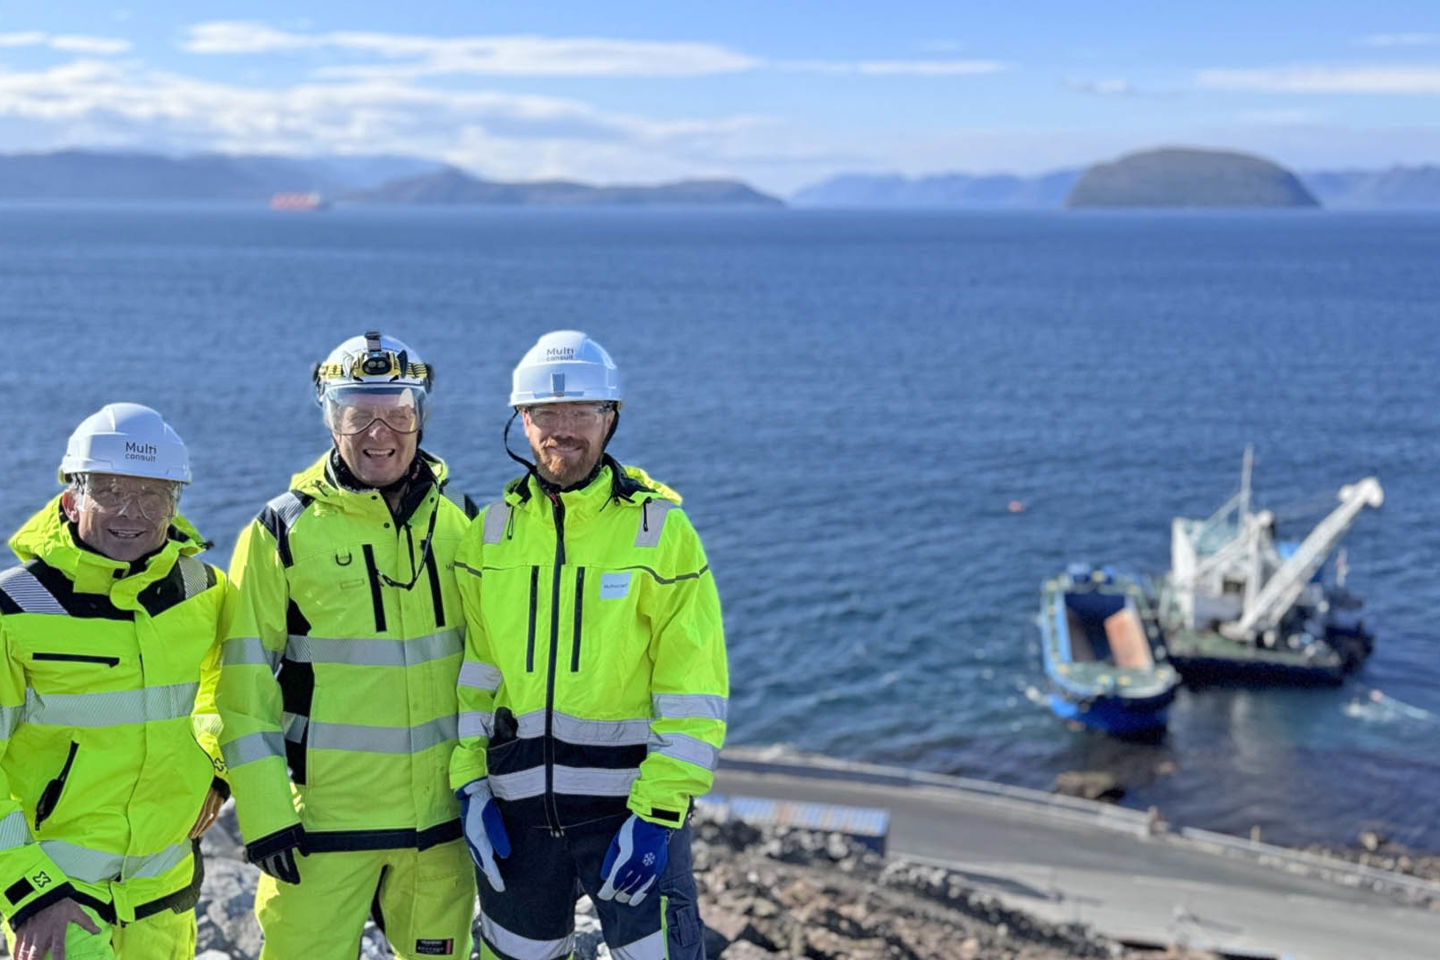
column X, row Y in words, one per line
column 47, row 536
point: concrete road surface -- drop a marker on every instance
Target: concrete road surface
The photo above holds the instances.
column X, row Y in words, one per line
column 1124, row 884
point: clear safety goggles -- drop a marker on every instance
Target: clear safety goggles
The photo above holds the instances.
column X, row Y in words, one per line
column 549, row 415
column 105, row 493
column 353, row 409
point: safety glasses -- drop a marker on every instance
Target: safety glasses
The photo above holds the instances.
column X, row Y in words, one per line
column 547, row 416
column 152, row 499
column 350, row 411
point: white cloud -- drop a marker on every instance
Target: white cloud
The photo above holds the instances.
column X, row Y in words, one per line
column 891, row 68
column 521, row 56
column 409, row 56
column 514, row 136
column 67, row 42
column 236, row 36
column 95, row 46
column 1400, row 40
column 1419, row 79
column 29, row 38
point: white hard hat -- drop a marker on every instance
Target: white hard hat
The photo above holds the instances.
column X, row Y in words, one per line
column 565, row 366
column 127, row 439
column 372, row 358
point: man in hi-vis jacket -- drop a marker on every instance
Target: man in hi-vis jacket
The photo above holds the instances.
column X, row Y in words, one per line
column 109, row 651
column 594, row 689
column 343, row 645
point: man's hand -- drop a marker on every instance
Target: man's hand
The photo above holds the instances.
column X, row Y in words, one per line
column 44, row 933
column 636, row 857
column 484, row 829
column 209, row 810
column 275, row 854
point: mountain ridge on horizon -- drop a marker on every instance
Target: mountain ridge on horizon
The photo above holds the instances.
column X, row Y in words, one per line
column 87, row 174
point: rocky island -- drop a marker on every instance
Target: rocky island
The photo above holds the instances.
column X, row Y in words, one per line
column 1178, row 177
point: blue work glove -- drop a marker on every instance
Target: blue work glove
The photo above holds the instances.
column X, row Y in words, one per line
column 484, row 829
column 636, row 857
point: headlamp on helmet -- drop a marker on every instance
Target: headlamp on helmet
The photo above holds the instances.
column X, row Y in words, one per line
column 373, row 377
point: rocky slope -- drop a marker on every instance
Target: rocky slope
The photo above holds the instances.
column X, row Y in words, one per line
column 775, row 894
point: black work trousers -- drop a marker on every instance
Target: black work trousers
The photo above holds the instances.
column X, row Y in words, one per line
column 534, row 917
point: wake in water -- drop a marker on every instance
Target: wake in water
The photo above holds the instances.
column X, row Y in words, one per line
column 1377, row 707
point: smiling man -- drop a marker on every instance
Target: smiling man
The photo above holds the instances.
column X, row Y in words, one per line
column 595, row 684
column 109, row 647
column 338, row 688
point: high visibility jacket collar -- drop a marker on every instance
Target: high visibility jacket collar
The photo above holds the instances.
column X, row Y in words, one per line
column 319, row 481
column 48, row 535
column 612, row 482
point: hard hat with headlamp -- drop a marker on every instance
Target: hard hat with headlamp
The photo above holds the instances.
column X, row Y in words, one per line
column 128, row 440
column 372, row 377
column 565, row 366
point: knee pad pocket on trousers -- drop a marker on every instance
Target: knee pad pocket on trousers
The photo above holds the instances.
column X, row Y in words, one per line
column 683, row 931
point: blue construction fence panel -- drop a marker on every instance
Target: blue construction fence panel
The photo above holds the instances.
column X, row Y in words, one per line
column 866, row 825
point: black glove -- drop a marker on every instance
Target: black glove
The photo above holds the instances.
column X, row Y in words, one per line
column 275, row 853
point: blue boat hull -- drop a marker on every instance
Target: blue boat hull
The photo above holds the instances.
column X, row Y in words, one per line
column 1115, row 715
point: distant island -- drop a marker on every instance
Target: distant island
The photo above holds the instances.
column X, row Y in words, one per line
column 452, row 186
column 101, row 175
column 1183, row 177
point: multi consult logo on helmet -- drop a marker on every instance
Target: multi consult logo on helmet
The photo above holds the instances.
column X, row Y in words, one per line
column 559, row 353
column 141, row 451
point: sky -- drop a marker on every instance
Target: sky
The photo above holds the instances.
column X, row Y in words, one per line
column 777, row 94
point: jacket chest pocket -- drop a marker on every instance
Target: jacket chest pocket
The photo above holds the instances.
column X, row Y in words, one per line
column 67, row 672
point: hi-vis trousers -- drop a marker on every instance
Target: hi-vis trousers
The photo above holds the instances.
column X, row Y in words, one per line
column 166, row 935
column 423, row 900
column 534, row 918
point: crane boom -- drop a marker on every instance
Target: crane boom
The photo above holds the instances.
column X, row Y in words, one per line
column 1284, row 588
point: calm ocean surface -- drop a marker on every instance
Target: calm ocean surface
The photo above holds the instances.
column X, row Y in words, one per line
column 848, row 402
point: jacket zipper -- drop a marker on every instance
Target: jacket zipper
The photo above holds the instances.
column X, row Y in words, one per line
column 377, row 599
column 77, row 658
column 51, row 794
column 530, row 637
column 575, row 633
column 552, row 813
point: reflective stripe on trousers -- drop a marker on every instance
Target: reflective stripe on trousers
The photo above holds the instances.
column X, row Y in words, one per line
column 523, row 948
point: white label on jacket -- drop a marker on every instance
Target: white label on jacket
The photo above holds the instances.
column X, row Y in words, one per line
column 613, row 586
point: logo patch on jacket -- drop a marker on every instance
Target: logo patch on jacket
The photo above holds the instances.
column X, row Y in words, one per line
column 434, row 948
column 613, row 586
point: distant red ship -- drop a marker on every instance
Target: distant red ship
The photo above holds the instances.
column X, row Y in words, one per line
column 298, row 201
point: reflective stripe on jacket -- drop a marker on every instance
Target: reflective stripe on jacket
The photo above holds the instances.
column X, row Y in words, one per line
column 107, row 721
column 343, row 645
column 595, row 676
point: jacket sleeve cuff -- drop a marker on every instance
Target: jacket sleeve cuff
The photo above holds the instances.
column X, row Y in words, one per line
column 28, row 908
column 221, row 786
column 292, row 836
column 664, row 816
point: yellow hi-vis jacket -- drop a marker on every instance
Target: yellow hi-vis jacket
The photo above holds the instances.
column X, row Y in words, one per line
column 107, row 722
column 343, row 644
column 595, row 676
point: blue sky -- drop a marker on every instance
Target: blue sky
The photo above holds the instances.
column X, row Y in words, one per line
column 779, row 94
